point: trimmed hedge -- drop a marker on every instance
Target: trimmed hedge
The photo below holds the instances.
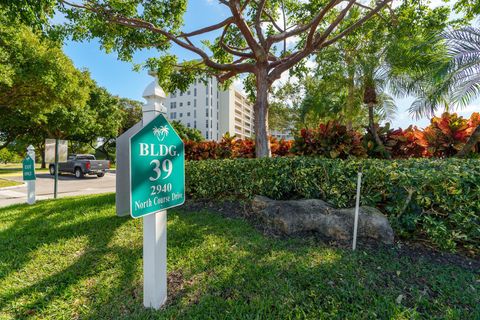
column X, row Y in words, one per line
column 438, row 200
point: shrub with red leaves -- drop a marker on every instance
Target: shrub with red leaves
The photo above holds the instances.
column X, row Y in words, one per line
column 331, row 140
column 445, row 136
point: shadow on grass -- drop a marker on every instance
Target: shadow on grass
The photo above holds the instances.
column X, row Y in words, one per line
column 221, row 268
column 51, row 222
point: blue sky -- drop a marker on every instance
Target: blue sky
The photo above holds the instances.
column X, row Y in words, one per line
column 120, row 79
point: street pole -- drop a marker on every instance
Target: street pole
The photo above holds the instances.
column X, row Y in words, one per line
column 55, row 184
column 154, row 229
column 31, row 183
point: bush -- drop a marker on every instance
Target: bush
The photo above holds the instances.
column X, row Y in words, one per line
column 438, row 200
column 231, row 147
column 398, row 143
column 331, row 140
column 445, row 136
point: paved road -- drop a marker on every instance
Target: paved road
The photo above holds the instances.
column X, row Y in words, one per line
column 67, row 186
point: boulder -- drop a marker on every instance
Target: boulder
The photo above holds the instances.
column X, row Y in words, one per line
column 294, row 216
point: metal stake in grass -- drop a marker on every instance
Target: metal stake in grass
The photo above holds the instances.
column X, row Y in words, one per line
column 357, row 209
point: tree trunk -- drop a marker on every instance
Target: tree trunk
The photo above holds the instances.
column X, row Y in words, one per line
column 471, row 142
column 373, row 129
column 262, row 143
column 42, row 156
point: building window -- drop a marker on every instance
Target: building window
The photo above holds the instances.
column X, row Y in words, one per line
column 188, row 92
column 181, row 104
column 211, row 102
column 206, row 124
column 171, row 115
column 206, row 135
column 188, row 125
column 194, row 103
column 188, row 114
column 195, row 114
column 211, row 112
column 211, row 124
column 217, row 125
column 206, row 101
column 206, row 112
column 211, row 90
column 195, row 124
column 206, row 89
column 181, row 114
column 188, row 103
column 195, row 90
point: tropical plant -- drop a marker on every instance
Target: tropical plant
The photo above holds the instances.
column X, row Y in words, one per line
column 446, row 135
column 331, row 140
column 454, row 82
column 368, row 67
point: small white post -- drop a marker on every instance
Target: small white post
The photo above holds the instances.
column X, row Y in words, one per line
column 155, row 224
column 357, row 209
column 31, row 183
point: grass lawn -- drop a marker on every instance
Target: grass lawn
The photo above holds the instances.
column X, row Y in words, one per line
column 73, row 258
column 8, row 183
column 15, row 169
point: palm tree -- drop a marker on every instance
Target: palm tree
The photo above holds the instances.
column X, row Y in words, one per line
column 455, row 81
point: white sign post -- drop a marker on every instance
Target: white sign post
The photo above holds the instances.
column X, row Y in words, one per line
column 357, row 209
column 154, row 225
column 31, row 183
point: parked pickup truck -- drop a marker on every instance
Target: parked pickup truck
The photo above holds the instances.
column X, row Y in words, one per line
column 82, row 164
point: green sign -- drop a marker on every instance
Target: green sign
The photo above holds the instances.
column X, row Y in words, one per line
column 157, row 169
column 28, row 169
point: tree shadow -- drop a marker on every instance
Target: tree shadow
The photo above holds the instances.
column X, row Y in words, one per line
column 224, row 267
column 49, row 223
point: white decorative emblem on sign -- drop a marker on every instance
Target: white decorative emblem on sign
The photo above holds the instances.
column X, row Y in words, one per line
column 160, row 133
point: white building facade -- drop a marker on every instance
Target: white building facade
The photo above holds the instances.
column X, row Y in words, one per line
column 214, row 112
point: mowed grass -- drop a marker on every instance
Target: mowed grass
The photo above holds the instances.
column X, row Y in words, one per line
column 8, row 183
column 15, row 169
column 73, row 258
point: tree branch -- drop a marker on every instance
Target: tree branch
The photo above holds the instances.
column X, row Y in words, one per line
column 245, row 30
column 282, row 65
column 258, row 22
column 142, row 24
column 207, row 29
column 302, row 28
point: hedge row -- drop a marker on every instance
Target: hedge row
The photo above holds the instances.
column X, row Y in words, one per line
column 438, row 200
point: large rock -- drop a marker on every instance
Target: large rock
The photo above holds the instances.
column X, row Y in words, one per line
column 293, row 216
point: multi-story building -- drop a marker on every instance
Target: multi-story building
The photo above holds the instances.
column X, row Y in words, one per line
column 214, row 112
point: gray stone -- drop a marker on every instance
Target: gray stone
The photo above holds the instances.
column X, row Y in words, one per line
column 294, row 216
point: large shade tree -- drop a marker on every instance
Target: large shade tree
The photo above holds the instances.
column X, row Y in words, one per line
column 250, row 40
column 34, row 72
